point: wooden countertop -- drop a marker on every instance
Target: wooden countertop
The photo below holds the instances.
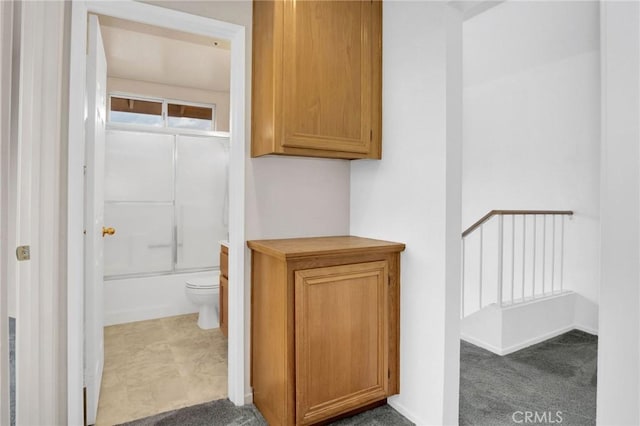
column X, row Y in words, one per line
column 290, row 248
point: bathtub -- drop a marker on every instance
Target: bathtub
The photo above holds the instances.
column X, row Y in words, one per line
column 145, row 298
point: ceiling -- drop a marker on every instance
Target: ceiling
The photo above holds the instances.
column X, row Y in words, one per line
column 159, row 55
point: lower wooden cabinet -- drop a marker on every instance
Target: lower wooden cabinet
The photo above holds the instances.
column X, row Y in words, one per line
column 325, row 326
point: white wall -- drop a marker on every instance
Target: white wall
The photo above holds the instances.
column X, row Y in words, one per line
column 413, row 196
column 146, row 88
column 618, row 346
column 285, row 197
column 532, row 125
column 511, row 328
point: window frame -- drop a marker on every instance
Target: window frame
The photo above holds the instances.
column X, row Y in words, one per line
column 165, row 111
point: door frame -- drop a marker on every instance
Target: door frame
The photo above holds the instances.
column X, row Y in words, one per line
column 34, row 208
column 6, row 47
column 238, row 389
column 95, row 128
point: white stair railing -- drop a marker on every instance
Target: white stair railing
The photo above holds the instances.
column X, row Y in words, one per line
column 511, row 257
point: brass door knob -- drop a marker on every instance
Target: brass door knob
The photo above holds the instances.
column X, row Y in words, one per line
column 108, row 231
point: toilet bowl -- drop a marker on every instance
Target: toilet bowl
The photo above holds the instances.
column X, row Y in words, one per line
column 204, row 292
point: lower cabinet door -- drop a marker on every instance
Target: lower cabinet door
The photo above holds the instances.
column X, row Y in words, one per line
column 223, row 304
column 341, row 341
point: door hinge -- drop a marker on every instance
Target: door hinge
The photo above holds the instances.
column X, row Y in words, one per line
column 23, row 253
column 389, row 373
column 389, row 280
column 370, row 135
column 84, row 170
column 84, row 405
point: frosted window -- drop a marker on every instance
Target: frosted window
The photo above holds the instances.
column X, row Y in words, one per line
column 201, row 194
column 138, row 166
column 136, row 118
column 143, row 242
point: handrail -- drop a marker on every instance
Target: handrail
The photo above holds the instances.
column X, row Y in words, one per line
column 512, row 212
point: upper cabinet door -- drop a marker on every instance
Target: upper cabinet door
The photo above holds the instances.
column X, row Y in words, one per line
column 328, row 75
column 317, row 78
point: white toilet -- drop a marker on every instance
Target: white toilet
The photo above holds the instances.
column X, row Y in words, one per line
column 204, row 292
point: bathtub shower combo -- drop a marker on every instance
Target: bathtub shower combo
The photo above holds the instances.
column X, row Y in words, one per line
column 166, row 194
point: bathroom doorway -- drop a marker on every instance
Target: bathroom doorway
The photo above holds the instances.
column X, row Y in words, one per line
column 162, row 206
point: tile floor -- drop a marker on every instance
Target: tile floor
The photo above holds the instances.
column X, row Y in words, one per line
column 160, row 365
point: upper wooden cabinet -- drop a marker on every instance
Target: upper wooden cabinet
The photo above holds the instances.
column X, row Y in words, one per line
column 317, row 78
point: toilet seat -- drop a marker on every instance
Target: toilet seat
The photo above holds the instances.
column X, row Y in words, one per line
column 202, row 283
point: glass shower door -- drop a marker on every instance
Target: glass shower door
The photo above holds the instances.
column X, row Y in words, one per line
column 139, row 194
column 201, row 200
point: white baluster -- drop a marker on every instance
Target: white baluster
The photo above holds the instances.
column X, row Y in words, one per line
column 562, row 255
column 544, row 249
column 462, row 288
column 480, row 280
column 524, row 240
column 500, row 255
column 513, row 255
column 553, row 255
column 533, row 268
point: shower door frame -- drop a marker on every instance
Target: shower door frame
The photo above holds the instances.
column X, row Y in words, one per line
column 239, row 392
column 176, row 133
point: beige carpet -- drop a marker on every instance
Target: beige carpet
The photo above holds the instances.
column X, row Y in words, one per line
column 160, row 365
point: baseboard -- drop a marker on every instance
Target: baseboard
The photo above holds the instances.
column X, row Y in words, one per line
column 527, row 343
column 586, row 329
column 481, row 344
column 535, row 340
column 133, row 315
column 400, row 408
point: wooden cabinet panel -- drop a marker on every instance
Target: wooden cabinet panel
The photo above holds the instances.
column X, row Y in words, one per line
column 223, row 300
column 325, row 326
column 317, row 83
column 223, row 305
column 341, row 339
column 272, row 375
column 224, row 262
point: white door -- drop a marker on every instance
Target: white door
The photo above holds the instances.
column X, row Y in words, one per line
column 94, row 216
